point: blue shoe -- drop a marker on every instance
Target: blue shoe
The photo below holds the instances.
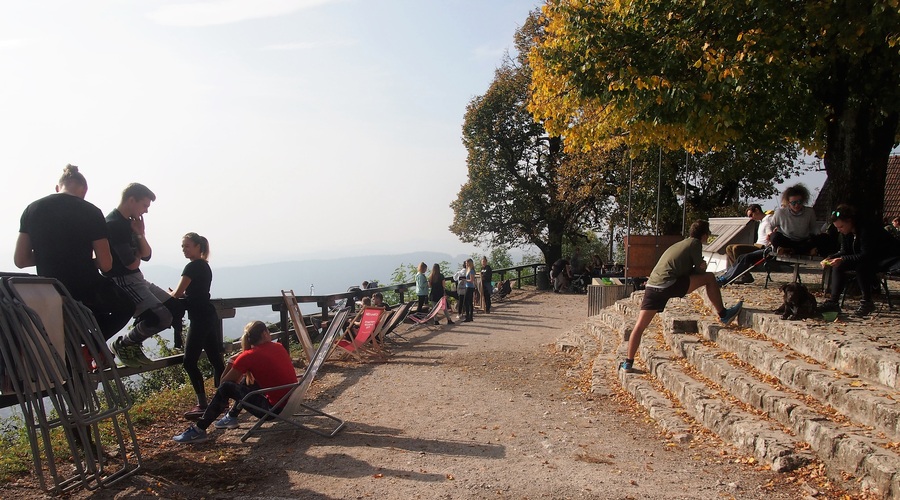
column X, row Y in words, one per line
column 627, row 366
column 732, row 312
column 721, row 280
column 193, row 434
column 227, row 422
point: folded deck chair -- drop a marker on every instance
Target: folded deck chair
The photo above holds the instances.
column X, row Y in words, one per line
column 396, row 319
column 293, row 410
column 428, row 319
column 293, row 308
column 363, row 343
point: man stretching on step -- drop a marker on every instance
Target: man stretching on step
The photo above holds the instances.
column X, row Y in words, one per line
column 680, row 270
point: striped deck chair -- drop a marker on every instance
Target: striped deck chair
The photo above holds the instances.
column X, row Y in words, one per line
column 293, row 308
column 396, row 319
column 428, row 319
column 293, row 410
column 362, row 344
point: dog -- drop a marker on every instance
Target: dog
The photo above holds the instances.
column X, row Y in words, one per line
column 798, row 302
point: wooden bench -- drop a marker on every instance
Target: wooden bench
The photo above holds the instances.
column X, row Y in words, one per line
column 796, row 261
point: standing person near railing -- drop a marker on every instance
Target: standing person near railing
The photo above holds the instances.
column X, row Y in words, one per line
column 436, row 284
column 203, row 333
column 469, row 302
column 486, row 287
column 421, row 287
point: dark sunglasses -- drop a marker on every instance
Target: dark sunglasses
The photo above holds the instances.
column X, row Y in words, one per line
column 837, row 213
column 795, row 202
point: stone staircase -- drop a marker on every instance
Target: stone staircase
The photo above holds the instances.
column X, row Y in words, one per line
column 785, row 392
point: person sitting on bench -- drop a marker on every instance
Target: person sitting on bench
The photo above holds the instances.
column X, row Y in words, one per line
column 746, row 260
column 795, row 228
column 865, row 248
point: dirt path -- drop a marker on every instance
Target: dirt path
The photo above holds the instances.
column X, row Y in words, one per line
column 486, row 409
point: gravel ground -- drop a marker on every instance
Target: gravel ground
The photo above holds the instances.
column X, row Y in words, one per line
column 488, row 409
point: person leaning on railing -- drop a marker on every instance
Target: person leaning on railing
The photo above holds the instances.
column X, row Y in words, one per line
column 865, row 248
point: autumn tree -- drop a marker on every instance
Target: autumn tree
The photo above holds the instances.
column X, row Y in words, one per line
column 515, row 193
column 706, row 76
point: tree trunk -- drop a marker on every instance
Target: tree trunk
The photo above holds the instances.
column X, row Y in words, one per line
column 857, row 150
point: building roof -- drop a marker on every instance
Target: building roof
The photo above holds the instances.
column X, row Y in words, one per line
column 892, row 188
column 728, row 230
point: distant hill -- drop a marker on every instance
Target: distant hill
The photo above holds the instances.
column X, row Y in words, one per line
column 327, row 275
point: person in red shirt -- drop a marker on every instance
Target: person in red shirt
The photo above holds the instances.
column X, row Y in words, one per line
column 261, row 364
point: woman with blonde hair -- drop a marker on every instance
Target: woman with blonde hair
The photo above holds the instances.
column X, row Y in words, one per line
column 203, row 333
column 469, row 301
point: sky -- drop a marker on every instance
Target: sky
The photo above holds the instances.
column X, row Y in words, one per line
column 279, row 129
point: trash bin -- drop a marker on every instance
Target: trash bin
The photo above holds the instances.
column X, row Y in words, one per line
column 542, row 278
column 602, row 296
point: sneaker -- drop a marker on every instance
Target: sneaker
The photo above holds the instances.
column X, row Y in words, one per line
column 227, row 422
column 127, row 354
column 627, row 366
column 141, row 357
column 194, row 413
column 732, row 312
column 721, row 280
column 865, row 308
column 193, row 434
column 449, row 321
column 747, row 279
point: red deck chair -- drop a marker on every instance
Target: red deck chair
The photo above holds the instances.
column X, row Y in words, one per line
column 363, row 343
column 428, row 319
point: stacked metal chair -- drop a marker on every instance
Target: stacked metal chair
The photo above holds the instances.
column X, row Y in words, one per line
column 47, row 344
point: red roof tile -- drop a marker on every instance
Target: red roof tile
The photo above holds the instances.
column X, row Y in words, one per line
column 892, row 188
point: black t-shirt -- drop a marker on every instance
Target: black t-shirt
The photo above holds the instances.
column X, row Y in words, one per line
column 197, row 291
column 486, row 273
column 122, row 242
column 437, row 288
column 62, row 229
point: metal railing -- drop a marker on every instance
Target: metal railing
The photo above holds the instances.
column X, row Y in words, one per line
column 226, row 309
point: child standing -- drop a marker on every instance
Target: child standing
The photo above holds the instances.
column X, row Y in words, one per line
column 421, row 286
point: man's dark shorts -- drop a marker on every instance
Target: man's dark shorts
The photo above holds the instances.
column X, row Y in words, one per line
column 655, row 299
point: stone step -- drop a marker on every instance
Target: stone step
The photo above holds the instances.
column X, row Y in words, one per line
column 750, row 433
column 837, row 442
column 843, row 346
column 838, row 439
column 863, row 401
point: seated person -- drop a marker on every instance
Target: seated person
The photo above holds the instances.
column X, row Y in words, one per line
column 261, row 364
column 894, row 227
column 561, row 275
column 794, row 224
column 755, row 213
column 596, row 266
column 749, row 259
column 865, row 248
column 378, row 301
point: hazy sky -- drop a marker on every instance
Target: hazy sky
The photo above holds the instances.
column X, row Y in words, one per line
column 279, row 129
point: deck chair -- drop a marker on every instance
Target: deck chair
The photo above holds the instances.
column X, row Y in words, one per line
column 293, row 308
column 428, row 319
column 363, row 343
column 44, row 336
column 396, row 319
column 292, row 408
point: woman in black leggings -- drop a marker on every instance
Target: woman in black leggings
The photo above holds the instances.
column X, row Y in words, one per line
column 203, row 333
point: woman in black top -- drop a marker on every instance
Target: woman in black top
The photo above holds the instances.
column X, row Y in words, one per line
column 865, row 246
column 203, row 333
column 436, row 290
